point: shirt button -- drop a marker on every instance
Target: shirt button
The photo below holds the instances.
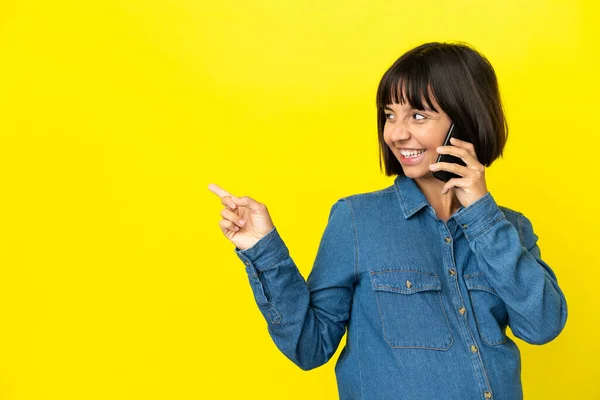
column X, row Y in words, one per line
column 448, row 240
column 473, row 349
column 408, row 284
column 452, row 271
column 465, row 226
column 462, row 310
column 488, row 395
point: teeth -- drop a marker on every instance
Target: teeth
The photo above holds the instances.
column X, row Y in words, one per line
column 411, row 153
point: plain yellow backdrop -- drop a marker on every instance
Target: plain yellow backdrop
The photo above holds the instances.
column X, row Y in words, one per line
column 115, row 279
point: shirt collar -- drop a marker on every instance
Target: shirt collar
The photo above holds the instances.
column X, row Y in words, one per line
column 410, row 195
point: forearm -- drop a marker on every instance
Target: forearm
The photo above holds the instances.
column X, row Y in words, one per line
column 308, row 336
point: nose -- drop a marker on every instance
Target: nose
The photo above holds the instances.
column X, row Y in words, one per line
column 399, row 132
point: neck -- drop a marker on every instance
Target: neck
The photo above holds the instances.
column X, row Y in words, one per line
column 445, row 205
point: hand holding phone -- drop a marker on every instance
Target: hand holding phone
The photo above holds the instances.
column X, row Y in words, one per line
column 456, row 132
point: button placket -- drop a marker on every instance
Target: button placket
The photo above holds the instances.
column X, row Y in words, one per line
column 453, row 272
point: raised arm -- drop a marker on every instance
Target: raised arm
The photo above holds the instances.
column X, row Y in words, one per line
column 306, row 319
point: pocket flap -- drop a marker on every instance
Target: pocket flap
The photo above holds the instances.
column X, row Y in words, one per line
column 479, row 282
column 404, row 281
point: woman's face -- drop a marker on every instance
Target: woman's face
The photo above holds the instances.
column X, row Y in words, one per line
column 417, row 134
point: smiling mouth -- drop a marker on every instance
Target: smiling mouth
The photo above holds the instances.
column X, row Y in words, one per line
column 412, row 153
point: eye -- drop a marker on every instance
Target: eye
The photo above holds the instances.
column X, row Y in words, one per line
column 389, row 116
column 420, row 115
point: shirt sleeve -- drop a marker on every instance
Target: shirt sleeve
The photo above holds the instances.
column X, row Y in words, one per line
column 536, row 305
column 306, row 319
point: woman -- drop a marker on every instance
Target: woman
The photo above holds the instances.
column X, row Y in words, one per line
column 425, row 274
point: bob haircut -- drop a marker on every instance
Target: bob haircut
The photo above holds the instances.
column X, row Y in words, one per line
column 463, row 83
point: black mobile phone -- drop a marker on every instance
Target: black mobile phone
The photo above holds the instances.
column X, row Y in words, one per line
column 460, row 134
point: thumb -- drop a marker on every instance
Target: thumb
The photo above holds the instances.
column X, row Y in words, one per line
column 247, row 202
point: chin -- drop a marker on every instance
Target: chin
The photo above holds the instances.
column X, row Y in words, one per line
column 410, row 173
column 418, row 174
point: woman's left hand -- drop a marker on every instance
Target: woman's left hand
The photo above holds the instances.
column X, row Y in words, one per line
column 471, row 186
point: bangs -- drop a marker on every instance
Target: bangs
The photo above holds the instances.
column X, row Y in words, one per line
column 408, row 80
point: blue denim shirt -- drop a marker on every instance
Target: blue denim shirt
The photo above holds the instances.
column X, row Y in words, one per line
column 425, row 302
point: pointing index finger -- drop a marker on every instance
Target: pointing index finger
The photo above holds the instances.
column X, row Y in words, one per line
column 218, row 190
column 222, row 193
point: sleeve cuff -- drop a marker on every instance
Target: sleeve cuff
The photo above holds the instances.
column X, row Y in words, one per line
column 264, row 254
column 479, row 216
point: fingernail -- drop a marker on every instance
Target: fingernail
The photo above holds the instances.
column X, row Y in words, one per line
column 237, row 228
column 433, row 166
column 232, row 205
column 241, row 222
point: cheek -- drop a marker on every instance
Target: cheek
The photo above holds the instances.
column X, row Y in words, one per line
column 432, row 156
column 432, row 143
column 432, row 153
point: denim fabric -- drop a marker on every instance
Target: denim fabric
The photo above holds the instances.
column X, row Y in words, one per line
column 426, row 303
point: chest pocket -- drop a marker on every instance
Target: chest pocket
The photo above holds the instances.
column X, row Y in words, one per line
column 488, row 308
column 411, row 309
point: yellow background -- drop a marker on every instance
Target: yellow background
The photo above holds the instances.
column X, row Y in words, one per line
column 115, row 279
